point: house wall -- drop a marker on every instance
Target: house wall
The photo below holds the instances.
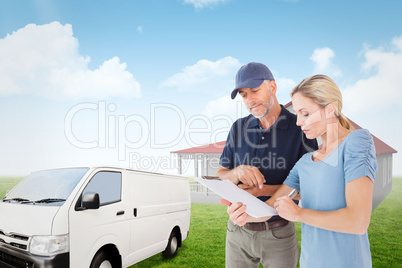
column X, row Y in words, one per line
column 212, row 165
column 383, row 179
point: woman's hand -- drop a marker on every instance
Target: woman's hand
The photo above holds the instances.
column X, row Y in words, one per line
column 237, row 212
column 287, row 209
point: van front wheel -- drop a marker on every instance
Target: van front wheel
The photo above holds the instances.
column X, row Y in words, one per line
column 102, row 260
column 172, row 245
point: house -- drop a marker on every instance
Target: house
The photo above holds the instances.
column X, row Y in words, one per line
column 206, row 162
column 206, row 158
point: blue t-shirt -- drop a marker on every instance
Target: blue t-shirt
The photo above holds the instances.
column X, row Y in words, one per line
column 322, row 187
column 273, row 151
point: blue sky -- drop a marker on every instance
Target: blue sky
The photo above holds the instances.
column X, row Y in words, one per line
column 126, row 82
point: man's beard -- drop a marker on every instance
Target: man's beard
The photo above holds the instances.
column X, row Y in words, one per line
column 267, row 109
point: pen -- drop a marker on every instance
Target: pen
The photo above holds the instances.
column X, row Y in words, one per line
column 292, row 194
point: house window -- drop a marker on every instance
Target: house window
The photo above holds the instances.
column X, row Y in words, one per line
column 107, row 184
column 389, row 170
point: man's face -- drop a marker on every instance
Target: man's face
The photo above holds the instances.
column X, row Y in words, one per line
column 259, row 100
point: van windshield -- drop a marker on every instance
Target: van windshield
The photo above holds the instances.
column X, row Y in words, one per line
column 48, row 186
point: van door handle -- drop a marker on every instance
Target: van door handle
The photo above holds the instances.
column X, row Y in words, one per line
column 121, row 212
column 135, row 212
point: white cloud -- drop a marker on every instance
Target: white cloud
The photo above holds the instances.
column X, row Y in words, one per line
column 375, row 102
column 225, row 106
column 205, row 76
column 139, row 29
column 384, row 87
column 44, row 60
column 285, row 86
column 199, row 4
column 322, row 58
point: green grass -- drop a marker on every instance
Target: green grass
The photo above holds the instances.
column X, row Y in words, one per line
column 205, row 246
column 385, row 230
column 7, row 183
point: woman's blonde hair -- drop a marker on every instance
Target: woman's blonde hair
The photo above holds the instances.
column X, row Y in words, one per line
column 323, row 91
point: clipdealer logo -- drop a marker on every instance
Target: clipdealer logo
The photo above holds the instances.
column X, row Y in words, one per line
column 112, row 128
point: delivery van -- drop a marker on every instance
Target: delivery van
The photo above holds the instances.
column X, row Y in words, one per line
column 93, row 217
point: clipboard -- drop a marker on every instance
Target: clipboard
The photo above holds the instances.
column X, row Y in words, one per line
column 229, row 191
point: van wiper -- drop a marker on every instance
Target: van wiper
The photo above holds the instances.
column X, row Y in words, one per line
column 49, row 200
column 18, row 199
column 45, row 200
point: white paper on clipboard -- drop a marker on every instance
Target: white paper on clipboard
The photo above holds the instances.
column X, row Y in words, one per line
column 229, row 191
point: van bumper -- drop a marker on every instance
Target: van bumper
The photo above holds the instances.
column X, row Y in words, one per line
column 10, row 258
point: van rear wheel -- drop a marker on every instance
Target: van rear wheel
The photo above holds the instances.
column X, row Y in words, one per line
column 172, row 245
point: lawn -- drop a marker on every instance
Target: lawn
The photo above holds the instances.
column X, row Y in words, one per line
column 7, row 183
column 205, row 246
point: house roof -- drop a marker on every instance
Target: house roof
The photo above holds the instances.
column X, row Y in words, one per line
column 380, row 146
column 213, row 148
column 217, row 148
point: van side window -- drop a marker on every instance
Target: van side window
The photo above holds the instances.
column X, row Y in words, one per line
column 107, row 184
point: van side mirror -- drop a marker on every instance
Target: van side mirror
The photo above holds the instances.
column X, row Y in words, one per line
column 90, row 201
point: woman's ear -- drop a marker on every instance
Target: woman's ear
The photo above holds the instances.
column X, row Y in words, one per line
column 330, row 110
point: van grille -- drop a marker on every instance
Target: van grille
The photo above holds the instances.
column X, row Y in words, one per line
column 14, row 240
column 14, row 261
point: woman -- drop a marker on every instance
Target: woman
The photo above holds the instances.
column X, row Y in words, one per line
column 335, row 182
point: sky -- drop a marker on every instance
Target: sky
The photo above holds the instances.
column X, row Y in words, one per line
column 125, row 83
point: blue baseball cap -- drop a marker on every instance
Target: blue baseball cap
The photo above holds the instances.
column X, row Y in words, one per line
column 251, row 75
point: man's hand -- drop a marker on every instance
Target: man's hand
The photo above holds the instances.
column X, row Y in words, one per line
column 266, row 190
column 255, row 191
column 249, row 175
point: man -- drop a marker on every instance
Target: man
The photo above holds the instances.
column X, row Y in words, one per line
column 260, row 151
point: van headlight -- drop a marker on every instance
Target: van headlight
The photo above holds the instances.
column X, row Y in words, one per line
column 48, row 245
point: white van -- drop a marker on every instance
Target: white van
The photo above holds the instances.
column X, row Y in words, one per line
column 92, row 217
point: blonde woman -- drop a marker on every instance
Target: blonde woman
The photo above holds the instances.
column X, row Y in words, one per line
column 335, row 182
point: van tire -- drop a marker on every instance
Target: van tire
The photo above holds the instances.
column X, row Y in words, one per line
column 103, row 260
column 172, row 245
